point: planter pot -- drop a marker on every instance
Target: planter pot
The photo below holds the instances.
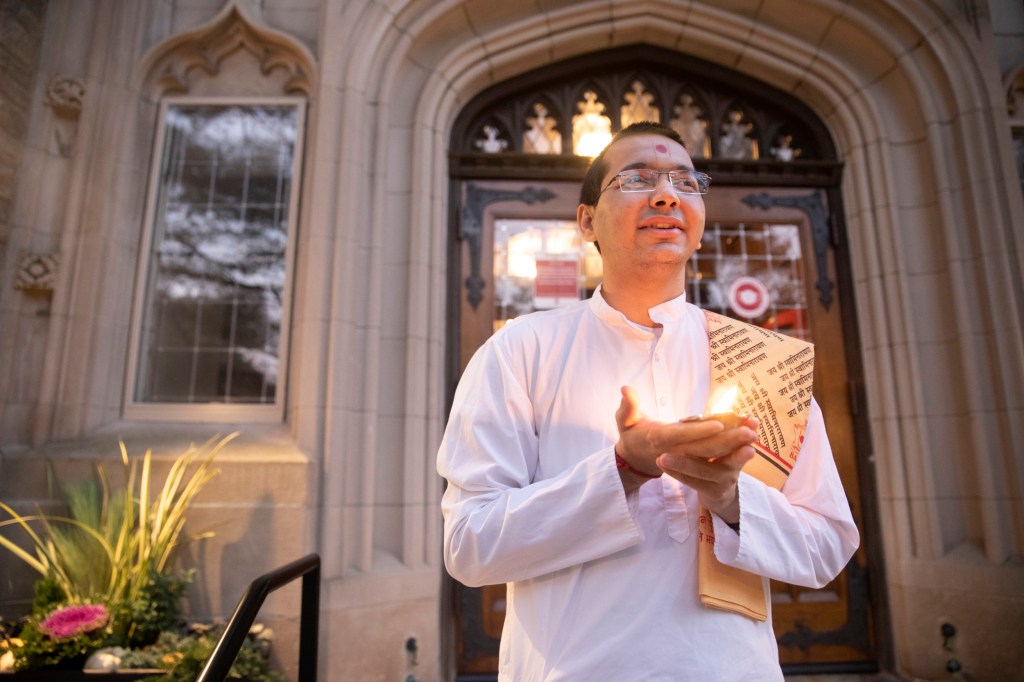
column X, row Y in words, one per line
column 78, row 676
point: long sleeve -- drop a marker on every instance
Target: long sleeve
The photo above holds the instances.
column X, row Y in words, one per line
column 803, row 534
column 500, row 523
column 534, row 500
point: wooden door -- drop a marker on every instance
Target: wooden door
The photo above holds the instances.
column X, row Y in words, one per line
column 781, row 237
column 767, row 259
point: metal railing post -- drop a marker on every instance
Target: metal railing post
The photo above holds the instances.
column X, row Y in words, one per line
column 224, row 654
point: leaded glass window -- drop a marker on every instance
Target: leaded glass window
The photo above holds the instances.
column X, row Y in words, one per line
column 213, row 306
column 639, row 106
column 591, row 128
column 753, row 272
column 749, row 271
column 574, row 109
column 691, row 124
column 542, row 136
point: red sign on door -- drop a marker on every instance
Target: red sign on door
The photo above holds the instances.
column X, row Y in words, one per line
column 556, row 283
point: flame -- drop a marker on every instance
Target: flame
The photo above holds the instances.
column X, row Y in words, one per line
column 723, row 400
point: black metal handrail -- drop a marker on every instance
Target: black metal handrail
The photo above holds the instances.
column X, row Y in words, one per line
column 224, row 654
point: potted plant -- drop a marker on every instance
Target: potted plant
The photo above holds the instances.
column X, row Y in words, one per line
column 107, row 596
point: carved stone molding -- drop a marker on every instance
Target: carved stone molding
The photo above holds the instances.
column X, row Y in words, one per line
column 64, row 95
column 37, row 272
column 1015, row 97
column 171, row 67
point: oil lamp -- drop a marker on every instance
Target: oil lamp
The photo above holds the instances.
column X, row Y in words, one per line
column 721, row 407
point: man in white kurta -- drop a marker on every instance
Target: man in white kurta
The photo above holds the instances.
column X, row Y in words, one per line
column 600, row 551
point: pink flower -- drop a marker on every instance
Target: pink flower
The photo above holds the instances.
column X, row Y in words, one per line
column 72, row 621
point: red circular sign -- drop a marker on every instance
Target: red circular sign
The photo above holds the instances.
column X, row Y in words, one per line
column 749, row 297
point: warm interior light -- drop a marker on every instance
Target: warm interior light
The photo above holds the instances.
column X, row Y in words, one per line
column 590, row 144
column 723, row 399
column 593, row 264
column 561, row 241
column 522, row 254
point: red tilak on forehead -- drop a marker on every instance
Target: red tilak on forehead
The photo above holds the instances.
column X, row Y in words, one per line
column 661, row 148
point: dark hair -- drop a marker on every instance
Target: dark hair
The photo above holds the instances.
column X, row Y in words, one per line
column 590, row 192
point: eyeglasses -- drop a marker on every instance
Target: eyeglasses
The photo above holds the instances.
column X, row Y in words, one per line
column 646, row 180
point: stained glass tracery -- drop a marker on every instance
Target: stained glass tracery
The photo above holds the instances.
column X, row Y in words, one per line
column 717, row 120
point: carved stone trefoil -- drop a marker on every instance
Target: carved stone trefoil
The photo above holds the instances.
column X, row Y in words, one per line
column 37, row 272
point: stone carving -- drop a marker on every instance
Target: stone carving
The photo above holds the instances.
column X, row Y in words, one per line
column 542, row 137
column 1015, row 96
column 64, row 96
column 206, row 48
column 37, row 272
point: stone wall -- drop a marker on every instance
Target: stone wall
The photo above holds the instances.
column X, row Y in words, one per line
column 21, row 36
column 908, row 88
column 22, row 311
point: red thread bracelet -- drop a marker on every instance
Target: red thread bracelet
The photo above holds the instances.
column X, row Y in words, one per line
column 624, row 465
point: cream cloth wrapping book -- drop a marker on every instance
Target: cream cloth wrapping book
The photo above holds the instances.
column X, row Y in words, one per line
column 773, row 375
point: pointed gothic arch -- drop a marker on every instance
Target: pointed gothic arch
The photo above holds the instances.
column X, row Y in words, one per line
column 179, row 64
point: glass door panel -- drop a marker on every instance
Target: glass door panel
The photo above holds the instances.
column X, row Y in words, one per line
column 540, row 264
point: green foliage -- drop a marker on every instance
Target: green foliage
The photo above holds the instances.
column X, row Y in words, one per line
column 138, row 623
column 113, row 548
column 39, row 650
column 111, row 545
column 48, row 595
column 183, row 656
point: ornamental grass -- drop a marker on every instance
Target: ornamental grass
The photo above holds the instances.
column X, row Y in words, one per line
column 106, row 574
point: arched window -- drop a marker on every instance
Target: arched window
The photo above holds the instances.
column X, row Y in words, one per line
column 209, row 336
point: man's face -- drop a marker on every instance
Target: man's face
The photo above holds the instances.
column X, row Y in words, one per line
column 644, row 232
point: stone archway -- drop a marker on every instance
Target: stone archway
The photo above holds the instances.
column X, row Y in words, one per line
column 507, row 190
column 903, row 94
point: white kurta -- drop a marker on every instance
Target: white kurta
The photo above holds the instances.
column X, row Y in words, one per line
column 601, row 585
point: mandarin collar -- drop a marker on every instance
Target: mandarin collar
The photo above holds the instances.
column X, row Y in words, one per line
column 665, row 313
